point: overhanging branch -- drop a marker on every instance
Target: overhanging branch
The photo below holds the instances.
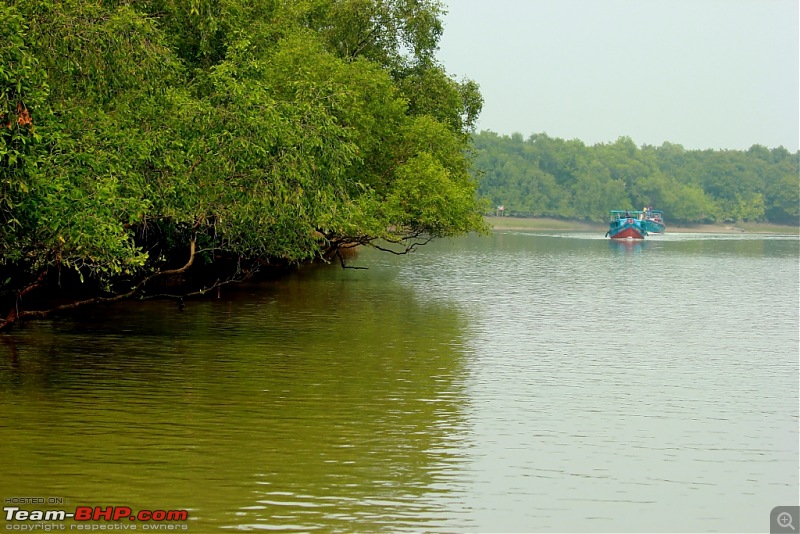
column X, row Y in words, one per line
column 16, row 315
column 407, row 248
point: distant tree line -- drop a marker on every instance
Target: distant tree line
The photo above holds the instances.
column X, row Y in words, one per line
column 206, row 140
column 546, row 176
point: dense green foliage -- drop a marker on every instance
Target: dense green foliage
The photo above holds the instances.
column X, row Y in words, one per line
column 544, row 176
column 136, row 132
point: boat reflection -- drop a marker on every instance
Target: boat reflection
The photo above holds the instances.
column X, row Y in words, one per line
column 626, row 246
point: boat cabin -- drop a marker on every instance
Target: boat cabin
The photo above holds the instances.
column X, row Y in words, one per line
column 626, row 214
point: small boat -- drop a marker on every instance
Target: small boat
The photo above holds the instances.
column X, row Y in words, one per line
column 654, row 221
column 626, row 224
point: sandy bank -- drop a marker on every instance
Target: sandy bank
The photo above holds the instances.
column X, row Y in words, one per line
column 549, row 224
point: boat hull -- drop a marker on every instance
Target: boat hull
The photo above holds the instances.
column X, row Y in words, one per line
column 626, row 231
column 626, row 227
column 654, row 227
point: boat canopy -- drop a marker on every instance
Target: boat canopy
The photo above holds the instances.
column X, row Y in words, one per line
column 625, row 213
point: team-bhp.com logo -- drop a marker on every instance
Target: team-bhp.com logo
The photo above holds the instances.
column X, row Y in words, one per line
column 89, row 518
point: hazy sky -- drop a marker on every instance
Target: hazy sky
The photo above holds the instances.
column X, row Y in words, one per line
column 719, row 74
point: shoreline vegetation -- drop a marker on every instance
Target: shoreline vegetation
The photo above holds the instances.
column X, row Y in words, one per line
column 552, row 177
column 149, row 150
column 551, row 224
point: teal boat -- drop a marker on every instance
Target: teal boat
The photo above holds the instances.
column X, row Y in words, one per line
column 654, row 221
column 626, row 224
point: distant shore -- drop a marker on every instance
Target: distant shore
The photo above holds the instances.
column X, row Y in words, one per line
column 550, row 224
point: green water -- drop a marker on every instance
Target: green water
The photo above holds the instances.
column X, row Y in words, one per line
column 519, row 382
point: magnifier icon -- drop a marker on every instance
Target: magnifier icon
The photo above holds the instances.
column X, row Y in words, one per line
column 784, row 520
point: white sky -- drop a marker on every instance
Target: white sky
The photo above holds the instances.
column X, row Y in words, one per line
column 718, row 74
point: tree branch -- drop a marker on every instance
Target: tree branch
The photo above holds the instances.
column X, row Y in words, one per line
column 15, row 315
column 216, row 285
column 341, row 260
column 407, row 247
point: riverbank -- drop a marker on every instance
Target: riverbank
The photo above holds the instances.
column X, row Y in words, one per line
column 549, row 224
column 542, row 223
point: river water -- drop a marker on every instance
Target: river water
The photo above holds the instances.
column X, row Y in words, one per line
column 521, row 382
